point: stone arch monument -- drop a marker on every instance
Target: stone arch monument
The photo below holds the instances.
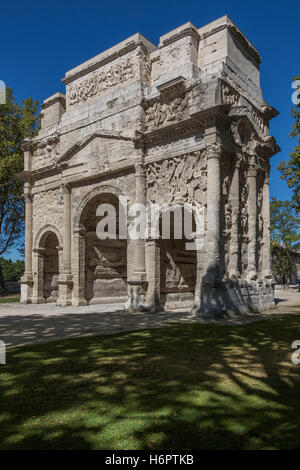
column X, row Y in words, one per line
column 181, row 122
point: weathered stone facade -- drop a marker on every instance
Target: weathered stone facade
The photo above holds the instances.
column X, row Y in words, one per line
column 184, row 122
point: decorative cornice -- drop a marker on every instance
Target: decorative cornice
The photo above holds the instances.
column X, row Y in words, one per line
column 172, row 85
column 198, row 120
column 245, row 42
column 59, row 98
column 186, row 30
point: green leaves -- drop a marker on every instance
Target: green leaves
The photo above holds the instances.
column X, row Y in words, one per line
column 16, row 123
column 290, row 169
column 12, row 271
column 284, row 224
column 285, row 238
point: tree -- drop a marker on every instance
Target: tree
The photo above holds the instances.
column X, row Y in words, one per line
column 290, row 169
column 285, row 238
column 17, row 121
column 12, row 271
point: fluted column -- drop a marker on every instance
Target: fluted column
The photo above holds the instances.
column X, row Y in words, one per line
column 252, row 220
column 78, row 266
column 266, row 268
column 135, row 301
column 140, row 198
column 27, row 279
column 65, row 276
column 213, row 212
column 67, row 229
column 234, row 199
column 28, row 233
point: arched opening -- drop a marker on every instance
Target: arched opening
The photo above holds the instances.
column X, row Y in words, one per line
column 50, row 268
column 105, row 260
column 178, row 261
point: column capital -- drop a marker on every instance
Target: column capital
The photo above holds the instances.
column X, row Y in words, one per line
column 252, row 171
column 213, row 150
column 239, row 157
column 39, row 251
column 28, row 198
column 80, row 230
column 267, row 178
column 66, row 188
column 140, row 169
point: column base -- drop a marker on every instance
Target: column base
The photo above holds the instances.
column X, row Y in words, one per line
column 135, row 302
column 65, row 284
column 38, row 300
column 79, row 302
column 26, row 289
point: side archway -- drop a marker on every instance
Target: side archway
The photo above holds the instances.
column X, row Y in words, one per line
column 47, row 265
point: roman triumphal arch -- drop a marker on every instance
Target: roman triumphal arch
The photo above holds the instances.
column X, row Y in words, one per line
column 181, row 123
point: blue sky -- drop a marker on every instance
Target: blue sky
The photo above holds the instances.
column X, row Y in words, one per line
column 42, row 40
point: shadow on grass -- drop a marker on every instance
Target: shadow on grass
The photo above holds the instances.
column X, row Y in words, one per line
column 182, row 387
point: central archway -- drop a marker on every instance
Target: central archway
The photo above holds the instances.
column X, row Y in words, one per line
column 105, row 261
column 177, row 260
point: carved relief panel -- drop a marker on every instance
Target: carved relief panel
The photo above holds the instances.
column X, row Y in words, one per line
column 226, row 209
column 166, row 109
column 244, row 191
column 106, row 78
column 180, row 179
column 46, row 152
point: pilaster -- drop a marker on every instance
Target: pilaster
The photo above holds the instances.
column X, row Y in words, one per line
column 27, row 279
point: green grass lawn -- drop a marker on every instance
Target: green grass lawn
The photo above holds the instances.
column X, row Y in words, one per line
column 182, row 387
column 7, row 296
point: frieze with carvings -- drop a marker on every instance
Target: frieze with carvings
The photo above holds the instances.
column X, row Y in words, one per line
column 99, row 82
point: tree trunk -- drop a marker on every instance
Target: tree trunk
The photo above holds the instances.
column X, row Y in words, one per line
column 2, row 282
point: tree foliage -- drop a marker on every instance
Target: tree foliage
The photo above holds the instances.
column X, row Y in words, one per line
column 12, row 271
column 285, row 238
column 17, row 121
column 290, row 169
column 284, row 224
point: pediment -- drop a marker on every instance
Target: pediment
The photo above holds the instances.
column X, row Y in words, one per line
column 88, row 139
